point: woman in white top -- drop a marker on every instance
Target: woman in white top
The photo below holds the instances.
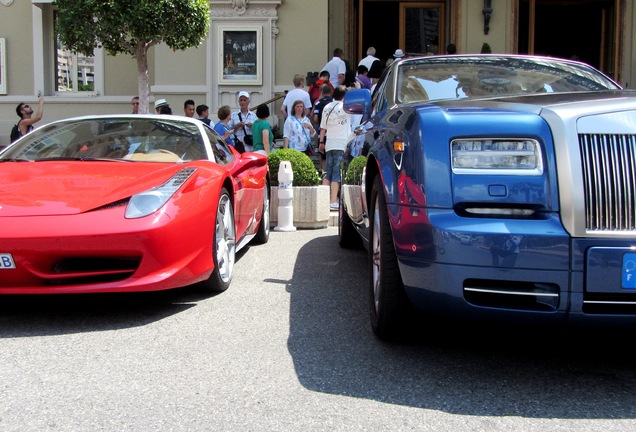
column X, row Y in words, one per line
column 298, row 130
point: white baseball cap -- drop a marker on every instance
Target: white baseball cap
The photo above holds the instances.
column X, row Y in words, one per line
column 243, row 94
column 160, row 102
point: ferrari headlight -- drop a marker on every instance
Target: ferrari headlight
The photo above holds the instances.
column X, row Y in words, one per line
column 496, row 156
column 150, row 201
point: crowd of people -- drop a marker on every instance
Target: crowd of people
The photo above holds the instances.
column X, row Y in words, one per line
column 242, row 129
column 333, row 128
column 314, row 119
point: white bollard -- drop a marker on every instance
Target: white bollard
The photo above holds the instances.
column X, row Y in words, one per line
column 285, row 198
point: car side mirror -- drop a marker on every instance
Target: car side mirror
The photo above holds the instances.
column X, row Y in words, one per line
column 358, row 102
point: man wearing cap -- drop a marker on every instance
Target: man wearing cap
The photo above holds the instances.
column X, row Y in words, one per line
column 398, row 54
column 160, row 103
column 242, row 119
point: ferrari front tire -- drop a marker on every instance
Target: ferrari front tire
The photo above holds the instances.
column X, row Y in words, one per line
column 388, row 301
column 262, row 236
column 348, row 237
column 223, row 246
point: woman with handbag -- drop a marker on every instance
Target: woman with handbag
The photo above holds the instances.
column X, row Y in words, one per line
column 242, row 120
column 298, row 130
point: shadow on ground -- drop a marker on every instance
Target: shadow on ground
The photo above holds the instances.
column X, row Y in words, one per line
column 45, row 315
column 485, row 370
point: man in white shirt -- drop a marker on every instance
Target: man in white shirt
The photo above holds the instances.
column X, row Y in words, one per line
column 298, row 93
column 337, row 68
column 373, row 64
column 242, row 120
column 337, row 124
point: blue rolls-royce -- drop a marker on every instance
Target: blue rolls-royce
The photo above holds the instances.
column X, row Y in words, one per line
column 495, row 187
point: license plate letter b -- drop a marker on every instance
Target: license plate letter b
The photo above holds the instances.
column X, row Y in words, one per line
column 6, row 261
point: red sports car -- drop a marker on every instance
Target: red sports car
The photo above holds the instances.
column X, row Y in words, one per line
column 127, row 203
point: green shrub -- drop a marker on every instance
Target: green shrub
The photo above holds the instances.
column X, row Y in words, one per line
column 354, row 170
column 303, row 168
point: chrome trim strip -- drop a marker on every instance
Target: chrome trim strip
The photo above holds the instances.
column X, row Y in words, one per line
column 609, row 302
column 506, row 292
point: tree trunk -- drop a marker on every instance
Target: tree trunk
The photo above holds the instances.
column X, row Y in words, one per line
column 141, row 54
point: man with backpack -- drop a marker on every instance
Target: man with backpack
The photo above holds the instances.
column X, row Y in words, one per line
column 27, row 119
column 314, row 89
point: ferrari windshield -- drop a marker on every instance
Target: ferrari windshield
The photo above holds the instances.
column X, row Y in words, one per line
column 149, row 138
column 458, row 77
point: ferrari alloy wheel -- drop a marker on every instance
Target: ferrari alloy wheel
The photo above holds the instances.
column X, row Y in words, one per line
column 387, row 298
column 262, row 236
column 348, row 237
column 224, row 246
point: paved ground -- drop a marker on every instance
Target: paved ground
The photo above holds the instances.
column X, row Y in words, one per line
column 289, row 348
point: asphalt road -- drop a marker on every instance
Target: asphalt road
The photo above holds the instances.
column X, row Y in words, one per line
column 288, row 348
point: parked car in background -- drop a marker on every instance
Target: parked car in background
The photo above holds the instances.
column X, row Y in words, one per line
column 127, row 203
column 496, row 187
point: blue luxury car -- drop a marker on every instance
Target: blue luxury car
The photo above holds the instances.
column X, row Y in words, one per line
column 495, row 187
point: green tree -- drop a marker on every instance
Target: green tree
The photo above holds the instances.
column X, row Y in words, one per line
column 132, row 27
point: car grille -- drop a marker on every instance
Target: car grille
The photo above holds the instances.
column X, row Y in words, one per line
column 74, row 271
column 609, row 175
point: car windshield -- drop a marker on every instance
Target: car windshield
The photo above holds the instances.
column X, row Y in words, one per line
column 133, row 139
column 458, row 77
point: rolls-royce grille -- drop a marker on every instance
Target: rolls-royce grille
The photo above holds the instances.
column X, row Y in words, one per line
column 609, row 176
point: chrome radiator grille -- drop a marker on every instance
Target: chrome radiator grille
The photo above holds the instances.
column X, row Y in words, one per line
column 609, row 176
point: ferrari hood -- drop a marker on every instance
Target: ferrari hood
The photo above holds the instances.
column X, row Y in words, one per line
column 66, row 188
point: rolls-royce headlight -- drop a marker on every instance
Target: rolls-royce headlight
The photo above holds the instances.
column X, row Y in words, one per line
column 148, row 202
column 496, row 156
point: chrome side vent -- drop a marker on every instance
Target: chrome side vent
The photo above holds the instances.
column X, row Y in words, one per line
column 609, row 176
column 515, row 295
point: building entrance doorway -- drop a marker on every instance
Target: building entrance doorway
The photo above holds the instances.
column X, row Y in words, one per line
column 414, row 27
column 592, row 38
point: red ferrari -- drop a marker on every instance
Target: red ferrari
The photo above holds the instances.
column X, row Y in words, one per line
column 127, row 203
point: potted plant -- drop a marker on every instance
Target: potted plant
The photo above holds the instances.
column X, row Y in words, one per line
column 354, row 170
column 311, row 199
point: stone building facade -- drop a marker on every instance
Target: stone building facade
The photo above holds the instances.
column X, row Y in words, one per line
column 259, row 45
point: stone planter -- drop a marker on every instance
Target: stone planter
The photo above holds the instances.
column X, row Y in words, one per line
column 311, row 206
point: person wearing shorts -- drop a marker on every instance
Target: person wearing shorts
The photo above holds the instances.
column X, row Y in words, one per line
column 335, row 123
